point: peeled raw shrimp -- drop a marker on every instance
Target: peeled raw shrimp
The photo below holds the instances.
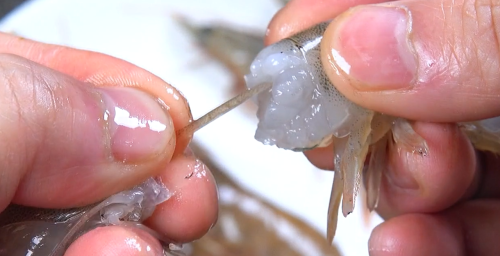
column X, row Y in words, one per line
column 46, row 232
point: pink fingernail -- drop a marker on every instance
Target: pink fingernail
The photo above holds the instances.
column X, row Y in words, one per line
column 138, row 125
column 373, row 47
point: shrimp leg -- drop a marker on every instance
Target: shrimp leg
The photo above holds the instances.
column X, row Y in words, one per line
column 352, row 161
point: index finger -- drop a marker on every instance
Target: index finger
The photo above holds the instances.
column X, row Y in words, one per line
column 102, row 70
column 298, row 15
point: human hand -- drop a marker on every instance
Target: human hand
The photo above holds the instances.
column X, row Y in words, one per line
column 436, row 62
column 78, row 126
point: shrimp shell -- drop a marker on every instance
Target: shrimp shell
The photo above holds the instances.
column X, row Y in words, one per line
column 49, row 232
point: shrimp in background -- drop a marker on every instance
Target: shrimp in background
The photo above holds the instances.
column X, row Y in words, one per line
column 234, row 48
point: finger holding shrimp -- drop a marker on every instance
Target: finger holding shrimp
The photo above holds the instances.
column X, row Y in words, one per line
column 78, row 126
column 418, row 60
column 299, row 15
column 61, row 98
column 412, row 183
column 467, row 229
column 434, row 61
column 423, row 57
column 447, row 172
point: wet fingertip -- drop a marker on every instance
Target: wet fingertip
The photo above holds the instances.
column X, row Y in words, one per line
column 322, row 157
column 416, row 234
column 114, row 240
column 428, row 183
column 296, row 16
column 276, row 30
column 376, row 241
column 193, row 207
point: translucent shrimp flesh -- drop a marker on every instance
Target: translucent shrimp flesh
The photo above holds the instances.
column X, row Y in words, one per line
column 46, row 232
column 299, row 109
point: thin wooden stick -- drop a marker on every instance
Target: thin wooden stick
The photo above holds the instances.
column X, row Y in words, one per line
column 222, row 109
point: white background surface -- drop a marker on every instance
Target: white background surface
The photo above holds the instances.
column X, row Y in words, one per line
column 145, row 33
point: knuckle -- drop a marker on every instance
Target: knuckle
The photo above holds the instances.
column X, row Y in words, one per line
column 27, row 100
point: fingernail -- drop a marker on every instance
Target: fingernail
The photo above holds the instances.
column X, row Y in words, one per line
column 139, row 127
column 372, row 45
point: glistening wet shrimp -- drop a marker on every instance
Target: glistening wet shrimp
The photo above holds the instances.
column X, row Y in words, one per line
column 299, row 109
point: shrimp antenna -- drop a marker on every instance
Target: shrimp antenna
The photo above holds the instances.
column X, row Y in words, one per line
column 222, row 109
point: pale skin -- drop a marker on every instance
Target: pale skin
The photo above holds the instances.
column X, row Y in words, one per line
column 57, row 150
column 446, row 203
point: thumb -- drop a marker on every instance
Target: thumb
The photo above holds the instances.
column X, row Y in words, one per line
column 434, row 60
column 66, row 143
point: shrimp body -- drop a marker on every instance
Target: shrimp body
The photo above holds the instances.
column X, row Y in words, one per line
column 49, row 232
column 302, row 109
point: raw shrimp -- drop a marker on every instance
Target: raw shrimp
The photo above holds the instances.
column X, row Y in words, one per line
column 234, row 48
column 299, row 109
column 46, row 232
